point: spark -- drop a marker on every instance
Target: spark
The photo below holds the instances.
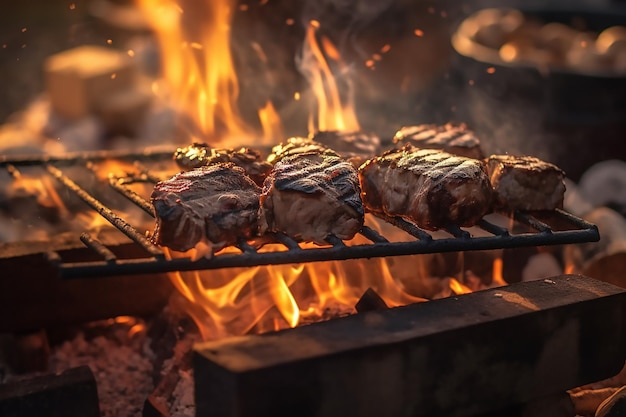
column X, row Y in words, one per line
column 386, row 48
column 491, row 70
column 418, row 33
column 290, row 21
column 315, row 24
column 244, row 7
column 296, row 95
column 130, row 52
column 109, row 41
column 72, row 6
column 113, row 76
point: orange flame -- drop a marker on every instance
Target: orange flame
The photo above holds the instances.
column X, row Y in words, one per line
column 236, row 301
column 271, row 124
column 332, row 114
column 196, row 60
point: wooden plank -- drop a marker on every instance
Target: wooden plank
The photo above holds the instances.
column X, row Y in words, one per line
column 453, row 357
column 72, row 393
column 32, row 296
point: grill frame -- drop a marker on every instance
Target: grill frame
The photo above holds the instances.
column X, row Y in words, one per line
column 156, row 261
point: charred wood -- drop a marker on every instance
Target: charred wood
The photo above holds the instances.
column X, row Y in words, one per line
column 370, row 301
column 524, row 342
column 72, row 393
column 32, row 295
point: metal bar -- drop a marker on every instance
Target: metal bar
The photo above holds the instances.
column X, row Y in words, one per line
column 119, row 186
column 335, row 241
column 98, row 247
column 410, row 228
column 245, row 246
column 136, row 266
column 531, row 221
column 291, row 244
column 456, row 231
column 105, row 212
column 492, row 228
column 372, row 235
column 156, row 153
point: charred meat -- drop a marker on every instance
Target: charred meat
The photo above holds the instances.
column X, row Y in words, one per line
column 356, row 147
column 311, row 196
column 298, row 145
column 453, row 138
column 215, row 204
column 201, row 154
column 526, row 182
column 430, row 187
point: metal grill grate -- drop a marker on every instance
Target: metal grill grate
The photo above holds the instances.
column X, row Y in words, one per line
column 562, row 228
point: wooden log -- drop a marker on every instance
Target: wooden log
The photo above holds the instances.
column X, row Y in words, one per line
column 370, row 301
column 459, row 356
column 32, row 296
column 72, row 393
column 614, row 406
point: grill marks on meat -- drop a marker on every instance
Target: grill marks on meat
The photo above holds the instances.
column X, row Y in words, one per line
column 298, row 145
column 429, row 187
column 201, row 154
column 216, row 204
column 311, row 196
column 453, row 138
column 526, row 182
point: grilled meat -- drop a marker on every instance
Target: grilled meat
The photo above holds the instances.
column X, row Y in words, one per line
column 526, row 182
column 356, row 147
column 215, row 204
column 201, row 154
column 453, row 138
column 429, row 187
column 311, row 196
column 298, row 145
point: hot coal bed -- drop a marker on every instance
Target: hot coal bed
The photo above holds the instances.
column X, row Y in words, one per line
column 507, row 348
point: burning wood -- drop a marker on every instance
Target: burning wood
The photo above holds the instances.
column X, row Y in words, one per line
column 370, row 301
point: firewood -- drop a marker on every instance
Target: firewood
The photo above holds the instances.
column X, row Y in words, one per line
column 77, row 80
column 523, row 341
column 370, row 301
column 72, row 393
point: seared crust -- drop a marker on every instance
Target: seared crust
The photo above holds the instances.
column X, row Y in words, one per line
column 429, row 187
column 526, row 182
column 217, row 203
column 197, row 155
column 298, row 145
column 311, row 196
column 453, row 138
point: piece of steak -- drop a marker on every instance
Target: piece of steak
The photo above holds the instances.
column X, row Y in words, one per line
column 355, row 147
column 215, row 204
column 430, row 187
column 197, row 155
column 311, row 196
column 453, row 138
column 298, row 145
column 526, row 182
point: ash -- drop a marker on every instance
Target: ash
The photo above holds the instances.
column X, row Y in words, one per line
column 123, row 372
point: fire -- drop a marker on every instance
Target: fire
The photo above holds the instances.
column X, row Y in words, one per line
column 194, row 40
column 332, row 113
column 236, row 301
column 199, row 71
